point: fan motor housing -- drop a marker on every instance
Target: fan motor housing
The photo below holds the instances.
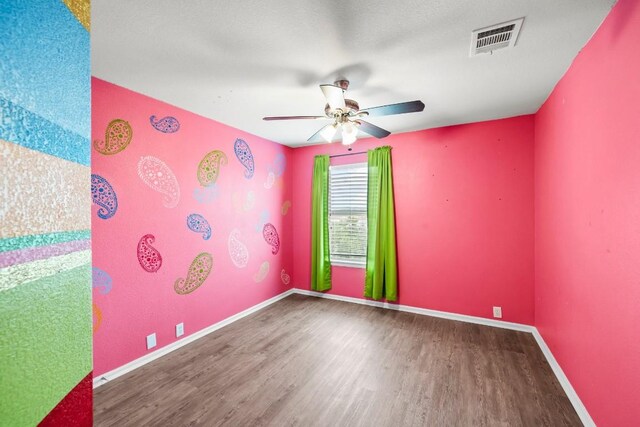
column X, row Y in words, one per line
column 350, row 109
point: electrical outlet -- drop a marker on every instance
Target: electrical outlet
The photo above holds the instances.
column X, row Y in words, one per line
column 151, row 341
column 179, row 329
column 497, row 312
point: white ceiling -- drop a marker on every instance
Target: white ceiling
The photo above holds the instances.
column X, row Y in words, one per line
column 236, row 61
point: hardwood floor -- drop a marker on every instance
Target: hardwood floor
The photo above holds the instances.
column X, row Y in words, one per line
column 307, row 361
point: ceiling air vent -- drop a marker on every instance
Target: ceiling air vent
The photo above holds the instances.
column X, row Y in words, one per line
column 500, row 36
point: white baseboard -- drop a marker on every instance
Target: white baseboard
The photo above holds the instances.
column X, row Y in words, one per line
column 557, row 370
column 579, row 407
column 108, row 376
column 564, row 382
column 424, row 311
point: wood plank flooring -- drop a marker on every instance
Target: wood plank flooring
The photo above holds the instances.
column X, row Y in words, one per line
column 306, row 361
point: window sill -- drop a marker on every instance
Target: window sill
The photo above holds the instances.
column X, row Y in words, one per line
column 344, row 264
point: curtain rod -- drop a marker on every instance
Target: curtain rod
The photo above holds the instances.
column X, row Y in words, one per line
column 348, row 154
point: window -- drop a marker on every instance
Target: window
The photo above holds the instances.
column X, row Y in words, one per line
column 348, row 214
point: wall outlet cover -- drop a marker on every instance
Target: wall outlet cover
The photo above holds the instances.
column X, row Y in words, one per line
column 179, row 329
column 497, row 312
column 151, row 341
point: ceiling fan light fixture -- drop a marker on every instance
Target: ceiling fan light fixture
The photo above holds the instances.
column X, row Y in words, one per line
column 329, row 132
column 349, row 133
column 348, row 139
column 349, row 127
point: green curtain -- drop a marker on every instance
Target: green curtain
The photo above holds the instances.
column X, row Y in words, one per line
column 320, row 262
column 382, row 267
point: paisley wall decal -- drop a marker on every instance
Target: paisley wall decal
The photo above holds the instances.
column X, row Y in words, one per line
column 97, row 318
column 243, row 153
column 101, row 280
column 200, row 268
column 285, row 207
column 279, row 165
column 264, row 218
column 271, row 179
column 206, row 194
column 148, row 256
column 238, row 251
column 270, row 235
column 166, row 124
column 103, row 195
column 262, row 272
column 157, row 175
column 209, row 167
column 116, row 138
column 199, row 224
column 286, row 279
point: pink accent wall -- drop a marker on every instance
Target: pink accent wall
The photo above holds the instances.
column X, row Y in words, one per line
column 464, row 214
column 587, row 220
column 140, row 303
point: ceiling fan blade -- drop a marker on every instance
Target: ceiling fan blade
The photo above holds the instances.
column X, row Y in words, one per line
column 294, row 117
column 372, row 130
column 318, row 137
column 400, row 108
column 334, row 95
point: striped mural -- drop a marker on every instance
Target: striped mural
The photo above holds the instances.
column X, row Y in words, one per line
column 45, row 213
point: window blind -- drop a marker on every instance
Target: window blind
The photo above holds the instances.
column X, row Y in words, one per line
column 348, row 214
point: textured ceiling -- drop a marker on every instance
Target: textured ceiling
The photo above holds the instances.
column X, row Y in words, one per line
column 237, row 61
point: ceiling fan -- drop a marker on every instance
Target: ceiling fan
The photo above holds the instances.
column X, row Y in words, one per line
column 347, row 115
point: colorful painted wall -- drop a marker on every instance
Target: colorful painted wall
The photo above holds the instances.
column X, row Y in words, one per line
column 45, row 258
column 588, row 220
column 464, row 215
column 191, row 222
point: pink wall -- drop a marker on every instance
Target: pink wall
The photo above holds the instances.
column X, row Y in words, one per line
column 137, row 302
column 464, row 214
column 587, row 220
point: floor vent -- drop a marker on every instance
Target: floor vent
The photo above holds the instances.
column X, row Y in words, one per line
column 500, row 36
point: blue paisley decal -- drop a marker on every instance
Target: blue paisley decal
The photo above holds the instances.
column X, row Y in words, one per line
column 264, row 218
column 243, row 153
column 279, row 164
column 101, row 280
column 166, row 124
column 197, row 223
column 103, row 195
column 207, row 194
